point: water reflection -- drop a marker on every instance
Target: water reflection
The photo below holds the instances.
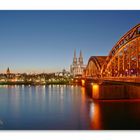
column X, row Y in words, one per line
column 83, row 91
column 64, row 107
column 13, row 97
column 115, row 115
column 95, row 115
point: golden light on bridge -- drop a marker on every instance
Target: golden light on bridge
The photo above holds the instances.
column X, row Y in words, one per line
column 83, row 82
column 123, row 61
column 95, row 90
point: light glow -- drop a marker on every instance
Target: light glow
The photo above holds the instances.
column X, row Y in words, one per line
column 83, row 82
column 95, row 91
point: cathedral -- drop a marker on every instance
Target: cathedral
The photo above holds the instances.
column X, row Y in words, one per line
column 77, row 66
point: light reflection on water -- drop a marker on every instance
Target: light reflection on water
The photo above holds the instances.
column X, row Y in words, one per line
column 43, row 107
column 58, row 107
column 95, row 116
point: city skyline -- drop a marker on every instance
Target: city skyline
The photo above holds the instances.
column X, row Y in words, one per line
column 44, row 41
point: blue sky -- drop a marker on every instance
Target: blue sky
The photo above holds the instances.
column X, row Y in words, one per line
column 37, row 41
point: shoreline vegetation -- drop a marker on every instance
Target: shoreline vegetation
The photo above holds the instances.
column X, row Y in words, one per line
column 37, row 83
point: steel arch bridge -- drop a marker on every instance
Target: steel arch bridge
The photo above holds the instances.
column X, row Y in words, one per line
column 94, row 66
column 122, row 61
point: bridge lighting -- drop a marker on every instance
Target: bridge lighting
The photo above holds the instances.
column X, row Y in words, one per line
column 95, row 91
column 95, row 86
column 83, row 82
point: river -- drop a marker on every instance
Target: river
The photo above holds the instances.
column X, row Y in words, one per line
column 63, row 107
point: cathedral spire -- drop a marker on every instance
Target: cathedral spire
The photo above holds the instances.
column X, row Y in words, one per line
column 81, row 58
column 77, row 66
column 81, row 54
column 74, row 53
column 74, row 58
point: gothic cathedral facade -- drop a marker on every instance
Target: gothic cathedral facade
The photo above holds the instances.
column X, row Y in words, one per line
column 77, row 66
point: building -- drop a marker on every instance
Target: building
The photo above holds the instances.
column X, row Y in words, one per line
column 77, row 66
column 8, row 71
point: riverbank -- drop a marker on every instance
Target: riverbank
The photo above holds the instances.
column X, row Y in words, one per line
column 36, row 83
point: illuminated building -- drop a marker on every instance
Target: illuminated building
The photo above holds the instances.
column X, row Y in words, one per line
column 77, row 66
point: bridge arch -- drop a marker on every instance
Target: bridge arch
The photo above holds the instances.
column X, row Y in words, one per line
column 94, row 65
column 124, row 58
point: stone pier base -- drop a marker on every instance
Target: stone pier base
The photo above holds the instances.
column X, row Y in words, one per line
column 114, row 91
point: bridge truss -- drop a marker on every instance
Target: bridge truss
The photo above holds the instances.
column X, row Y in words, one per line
column 124, row 58
column 122, row 61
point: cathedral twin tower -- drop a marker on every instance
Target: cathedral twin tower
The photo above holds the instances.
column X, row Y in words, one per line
column 80, row 61
column 77, row 66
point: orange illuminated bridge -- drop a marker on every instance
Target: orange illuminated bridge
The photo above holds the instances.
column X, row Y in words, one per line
column 122, row 62
column 116, row 76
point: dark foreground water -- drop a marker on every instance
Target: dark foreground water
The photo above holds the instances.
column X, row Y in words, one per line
column 60, row 107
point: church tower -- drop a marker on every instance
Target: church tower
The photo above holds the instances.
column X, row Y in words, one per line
column 8, row 71
column 74, row 58
column 77, row 68
column 81, row 58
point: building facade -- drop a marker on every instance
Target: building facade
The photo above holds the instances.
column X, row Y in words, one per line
column 77, row 66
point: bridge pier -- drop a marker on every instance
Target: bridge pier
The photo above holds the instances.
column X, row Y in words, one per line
column 111, row 90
